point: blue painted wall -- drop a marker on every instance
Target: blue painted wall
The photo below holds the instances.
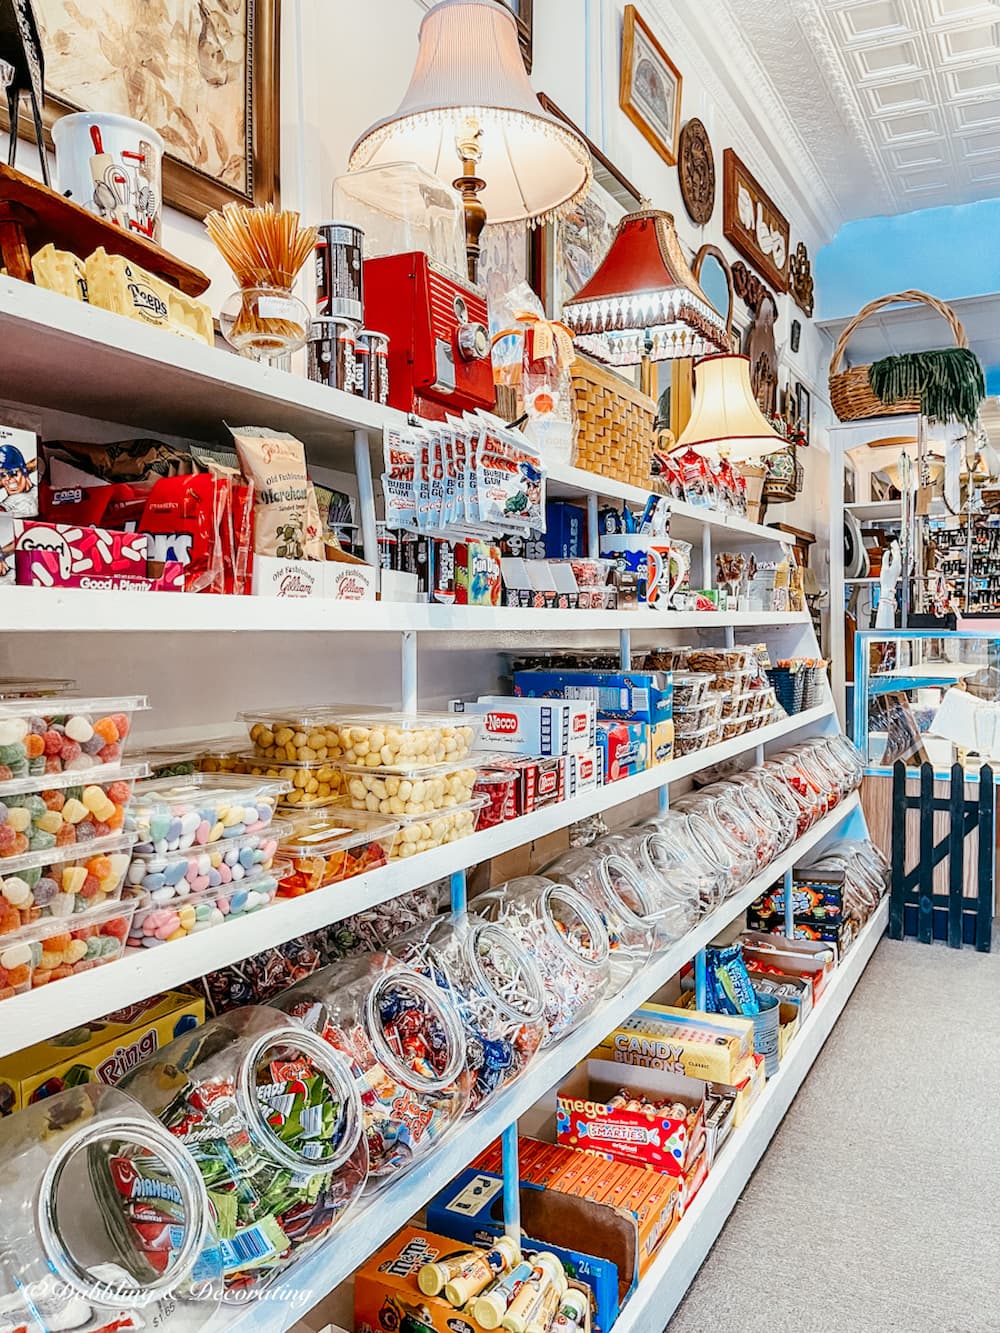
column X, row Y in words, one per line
column 951, row 252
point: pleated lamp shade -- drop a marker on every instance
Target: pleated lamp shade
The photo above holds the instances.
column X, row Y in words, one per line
column 644, row 300
column 725, row 419
column 469, row 64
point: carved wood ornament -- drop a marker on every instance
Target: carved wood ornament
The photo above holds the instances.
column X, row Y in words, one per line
column 696, row 170
column 800, row 280
column 759, row 344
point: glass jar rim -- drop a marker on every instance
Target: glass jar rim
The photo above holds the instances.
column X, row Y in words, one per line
column 332, row 1066
column 588, row 915
column 184, row 1173
column 432, row 994
column 504, row 941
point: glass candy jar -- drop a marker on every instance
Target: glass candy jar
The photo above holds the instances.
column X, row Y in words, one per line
column 272, row 1118
column 405, row 1044
column 566, row 937
column 613, row 884
column 675, row 896
column 496, row 987
column 106, row 1222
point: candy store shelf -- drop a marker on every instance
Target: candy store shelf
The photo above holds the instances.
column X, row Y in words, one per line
column 662, row 1289
column 686, row 521
column 376, row 1221
column 25, row 1019
column 62, row 610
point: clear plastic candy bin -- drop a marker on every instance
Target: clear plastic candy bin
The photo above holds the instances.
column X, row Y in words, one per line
column 272, row 1118
column 106, row 1222
column 64, row 734
column 61, row 882
column 201, row 810
column 406, row 789
column 327, row 850
column 55, row 948
column 64, row 810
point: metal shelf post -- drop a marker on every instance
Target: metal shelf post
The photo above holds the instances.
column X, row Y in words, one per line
column 511, row 1184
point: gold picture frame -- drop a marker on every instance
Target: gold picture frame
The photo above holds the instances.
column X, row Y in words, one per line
column 187, row 186
column 651, row 86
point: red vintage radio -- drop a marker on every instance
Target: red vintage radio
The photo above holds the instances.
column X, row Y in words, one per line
column 438, row 327
column 416, row 289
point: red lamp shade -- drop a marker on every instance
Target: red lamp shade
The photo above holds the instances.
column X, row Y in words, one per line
column 644, row 301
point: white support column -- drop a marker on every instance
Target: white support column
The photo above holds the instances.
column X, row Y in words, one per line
column 408, row 670
column 366, row 496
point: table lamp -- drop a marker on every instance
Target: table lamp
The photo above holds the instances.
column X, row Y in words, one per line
column 725, row 420
column 644, row 304
column 470, row 95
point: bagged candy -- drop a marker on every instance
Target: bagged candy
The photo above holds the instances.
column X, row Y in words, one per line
column 286, row 514
column 729, row 987
column 401, row 451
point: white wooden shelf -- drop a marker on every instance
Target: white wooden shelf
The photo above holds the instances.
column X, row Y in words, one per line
column 63, row 610
column 40, row 1014
column 662, row 1289
column 376, row 1221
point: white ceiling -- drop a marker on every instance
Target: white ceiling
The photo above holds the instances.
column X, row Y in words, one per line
column 913, row 328
column 895, row 103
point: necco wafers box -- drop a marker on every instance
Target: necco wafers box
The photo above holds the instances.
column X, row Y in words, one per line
column 535, row 726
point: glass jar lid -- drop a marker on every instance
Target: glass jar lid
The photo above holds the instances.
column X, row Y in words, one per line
column 414, row 1029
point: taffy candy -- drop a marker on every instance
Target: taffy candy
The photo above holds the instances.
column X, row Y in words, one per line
column 61, row 882
column 63, row 735
column 169, row 876
column 53, row 949
column 154, row 925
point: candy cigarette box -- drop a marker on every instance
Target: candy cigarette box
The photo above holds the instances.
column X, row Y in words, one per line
column 42, row 737
column 308, row 783
column 201, row 810
column 593, row 1113
column 176, row 874
column 154, row 924
column 327, row 850
column 66, row 809
column 50, row 950
column 624, row 748
column 421, row 833
column 535, row 726
column 627, row 696
column 680, row 1042
column 62, row 881
column 405, row 789
column 101, row 1052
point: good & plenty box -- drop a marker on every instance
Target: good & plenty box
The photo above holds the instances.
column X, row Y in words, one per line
column 627, row 696
column 587, row 1118
column 101, row 1052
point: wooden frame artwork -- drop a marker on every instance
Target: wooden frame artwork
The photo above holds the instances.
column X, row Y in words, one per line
column 803, row 410
column 220, row 122
column 753, row 223
column 651, row 84
column 524, row 15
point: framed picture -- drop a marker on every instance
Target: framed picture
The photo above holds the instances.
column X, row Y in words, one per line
column 803, row 409
column 204, row 75
column 753, row 223
column 650, row 92
column 569, row 252
column 523, row 11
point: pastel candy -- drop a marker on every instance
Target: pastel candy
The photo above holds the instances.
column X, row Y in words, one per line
column 203, row 832
column 154, row 882
column 17, row 891
column 173, row 873
column 78, row 728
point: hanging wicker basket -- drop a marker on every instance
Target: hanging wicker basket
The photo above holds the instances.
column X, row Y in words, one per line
column 850, row 392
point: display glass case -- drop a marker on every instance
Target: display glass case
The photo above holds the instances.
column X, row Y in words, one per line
column 927, row 696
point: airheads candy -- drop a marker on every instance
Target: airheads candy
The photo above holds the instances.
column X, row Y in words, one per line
column 536, row 726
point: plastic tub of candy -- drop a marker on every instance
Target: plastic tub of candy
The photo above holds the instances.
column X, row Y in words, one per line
column 496, row 988
column 55, row 948
column 164, row 877
column 566, row 937
column 299, row 732
column 389, row 739
column 691, row 688
column 34, row 687
column 272, row 1118
column 698, row 716
column 500, row 788
column 420, row 833
column 331, row 849
column 406, row 789
column 61, row 882
column 64, row 810
column 106, row 1222
column 161, row 923
column 309, row 784
column 694, row 740
column 201, row 810
column 406, row 1045
column 63, row 734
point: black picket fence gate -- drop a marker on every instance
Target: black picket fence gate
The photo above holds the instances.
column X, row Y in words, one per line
column 915, row 910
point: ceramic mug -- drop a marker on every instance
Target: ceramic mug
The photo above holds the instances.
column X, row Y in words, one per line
column 111, row 165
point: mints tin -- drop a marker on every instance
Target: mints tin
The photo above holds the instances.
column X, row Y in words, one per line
column 340, row 290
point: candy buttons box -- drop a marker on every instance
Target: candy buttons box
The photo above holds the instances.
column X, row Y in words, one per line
column 627, row 696
column 101, row 1052
column 387, row 1298
column 682, row 1042
column 586, row 1118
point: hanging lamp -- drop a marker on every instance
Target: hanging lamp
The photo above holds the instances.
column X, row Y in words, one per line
column 725, row 420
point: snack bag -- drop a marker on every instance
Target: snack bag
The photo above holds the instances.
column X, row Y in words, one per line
column 400, row 450
column 184, row 517
column 286, row 515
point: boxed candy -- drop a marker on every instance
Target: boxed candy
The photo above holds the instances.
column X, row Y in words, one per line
column 58, row 555
column 62, row 881
column 477, row 574
column 54, row 949
column 624, row 748
column 626, row 696
column 683, row 1041
column 73, row 735
column 100, row 1052
column 534, row 726
column 582, row 772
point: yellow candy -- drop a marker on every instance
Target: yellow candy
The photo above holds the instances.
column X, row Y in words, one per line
column 77, row 950
column 50, row 822
column 179, row 934
column 52, row 958
column 73, row 879
column 187, row 917
column 217, row 831
column 74, row 811
column 93, row 798
column 231, row 817
column 19, row 818
column 215, row 859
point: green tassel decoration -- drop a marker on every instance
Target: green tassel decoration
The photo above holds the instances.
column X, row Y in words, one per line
column 948, row 383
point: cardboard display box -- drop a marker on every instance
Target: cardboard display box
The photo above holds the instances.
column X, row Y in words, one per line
column 626, row 696
column 810, row 959
column 624, row 748
column 535, row 726
column 682, row 1042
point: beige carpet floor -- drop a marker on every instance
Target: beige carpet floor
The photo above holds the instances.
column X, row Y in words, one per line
column 877, row 1206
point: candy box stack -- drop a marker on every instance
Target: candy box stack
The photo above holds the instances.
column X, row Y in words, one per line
column 101, row 1052
column 632, row 696
column 681, row 1041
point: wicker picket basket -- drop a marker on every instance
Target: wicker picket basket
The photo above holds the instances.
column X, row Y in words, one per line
column 850, row 392
column 615, row 425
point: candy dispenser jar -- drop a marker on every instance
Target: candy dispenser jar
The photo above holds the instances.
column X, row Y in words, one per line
column 496, row 987
column 405, row 1043
column 674, row 895
column 613, row 884
column 567, row 939
column 680, row 850
column 272, row 1118
column 106, row 1222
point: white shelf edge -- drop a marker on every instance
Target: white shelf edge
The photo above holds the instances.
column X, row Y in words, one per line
column 376, row 1220
column 663, row 1288
column 43, row 1013
column 69, row 610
